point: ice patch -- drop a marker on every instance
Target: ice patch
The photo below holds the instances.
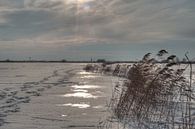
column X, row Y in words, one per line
column 81, row 95
column 80, row 90
column 98, row 107
column 84, row 73
column 64, row 115
column 89, row 76
column 81, row 105
column 85, row 86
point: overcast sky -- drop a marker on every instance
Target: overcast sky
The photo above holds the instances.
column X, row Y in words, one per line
column 84, row 29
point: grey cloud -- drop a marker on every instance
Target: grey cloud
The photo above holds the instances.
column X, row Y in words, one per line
column 123, row 20
column 151, row 19
column 30, row 23
column 44, row 4
column 103, row 21
column 11, row 4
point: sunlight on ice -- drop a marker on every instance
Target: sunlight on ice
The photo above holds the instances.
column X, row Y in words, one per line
column 64, row 115
column 80, row 90
column 81, row 95
column 85, row 86
column 98, row 107
column 89, row 76
column 81, row 105
column 84, row 73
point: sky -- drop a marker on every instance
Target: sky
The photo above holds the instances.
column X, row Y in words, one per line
column 85, row 29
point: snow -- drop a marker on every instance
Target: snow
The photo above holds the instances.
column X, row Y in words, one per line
column 54, row 96
column 51, row 96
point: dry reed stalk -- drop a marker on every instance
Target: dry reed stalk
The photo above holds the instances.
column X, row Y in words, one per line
column 154, row 95
column 150, row 98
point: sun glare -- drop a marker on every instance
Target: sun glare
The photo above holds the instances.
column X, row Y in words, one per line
column 83, row 6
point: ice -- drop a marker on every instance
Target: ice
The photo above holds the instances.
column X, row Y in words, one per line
column 81, row 95
column 86, row 86
column 51, row 95
column 19, row 82
column 80, row 105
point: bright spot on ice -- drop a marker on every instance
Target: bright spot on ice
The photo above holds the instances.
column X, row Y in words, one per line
column 85, row 86
column 81, row 95
column 89, row 76
column 98, row 107
column 80, row 90
column 81, row 105
column 64, row 115
column 98, row 92
column 84, row 73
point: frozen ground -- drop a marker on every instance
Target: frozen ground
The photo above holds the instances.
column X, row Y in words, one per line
column 52, row 96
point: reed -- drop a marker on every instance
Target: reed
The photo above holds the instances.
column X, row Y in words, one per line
column 153, row 95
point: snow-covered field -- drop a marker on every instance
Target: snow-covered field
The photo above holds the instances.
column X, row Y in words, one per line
column 51, row 96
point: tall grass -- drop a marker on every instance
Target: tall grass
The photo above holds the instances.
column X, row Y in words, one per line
column 154, row 95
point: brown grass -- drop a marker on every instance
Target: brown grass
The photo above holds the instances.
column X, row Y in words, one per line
column 153, row 96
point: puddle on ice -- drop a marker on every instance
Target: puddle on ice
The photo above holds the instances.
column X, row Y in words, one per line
column 85, row 86
column 81, row 105
column 81, row 95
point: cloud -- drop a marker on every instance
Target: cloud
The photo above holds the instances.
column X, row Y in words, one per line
column 63, row 23
column 122, row 20
column 149, row 19
column 45, row 4
column 11, row 3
